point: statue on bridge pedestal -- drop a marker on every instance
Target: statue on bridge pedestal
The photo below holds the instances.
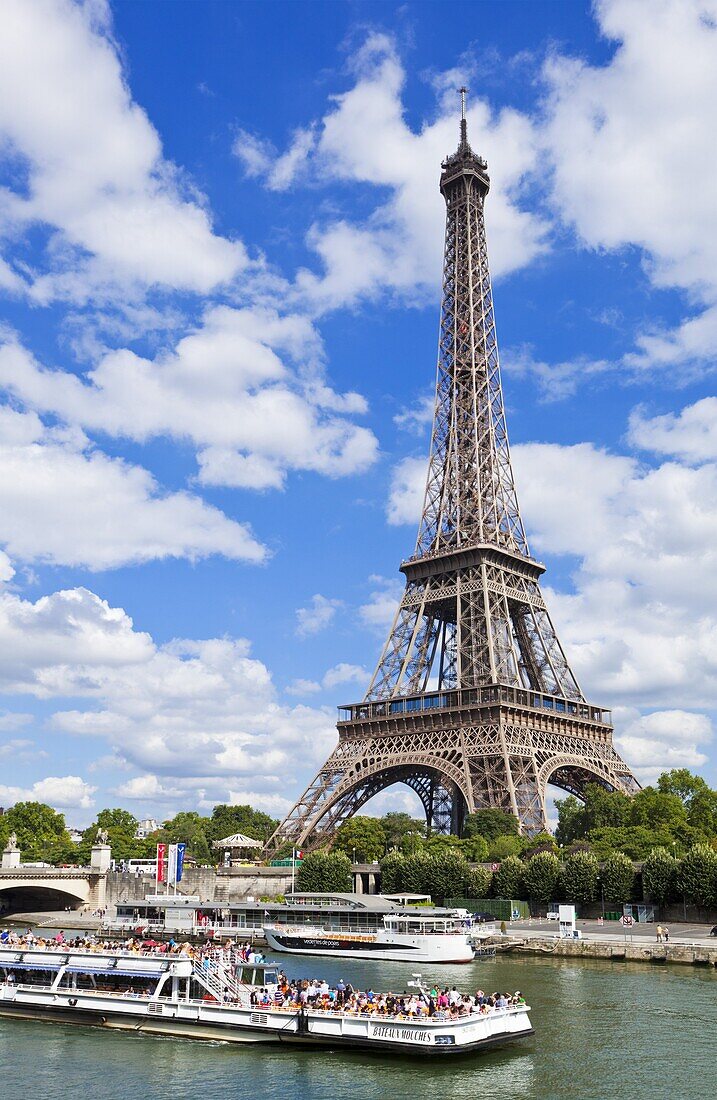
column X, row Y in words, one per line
column 102, row 837
column 11, row 854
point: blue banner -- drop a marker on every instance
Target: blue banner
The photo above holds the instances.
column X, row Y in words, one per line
column 181, row 848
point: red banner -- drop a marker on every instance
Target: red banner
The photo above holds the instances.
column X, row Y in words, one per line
column 161, row 857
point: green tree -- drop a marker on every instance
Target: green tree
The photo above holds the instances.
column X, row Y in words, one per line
column 398, row 826
column 541, row 842
column 606, row 808
column 417, row 873
column 581, row 871
column 447, row 873
column 227, row 820
column 191, row 828
column 541, row 874
column 411, row 843
column 508, row 879
column 475, row 848
column 490, row 824
column 572, row 820
column 442, row 842
column 41, row 832
column 477, row 883
column 617, row 876
column 120, row 826
column 392, row 873
column 682, row 783
column 325, row 872
column 659, row 876
column 635, row 841
column 697, row 876
column 699, row 799
column 504, row 846
column 657, row 809
column 362, row 837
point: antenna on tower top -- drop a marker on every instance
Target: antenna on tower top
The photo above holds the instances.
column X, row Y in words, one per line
column 464, row 126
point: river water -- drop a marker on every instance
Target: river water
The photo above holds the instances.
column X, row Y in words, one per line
column 602, row 1030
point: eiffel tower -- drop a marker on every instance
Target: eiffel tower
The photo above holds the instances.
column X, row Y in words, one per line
column 473, row 703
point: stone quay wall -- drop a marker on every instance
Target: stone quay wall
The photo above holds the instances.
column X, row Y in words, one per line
column 222, row 887
column 636, row 951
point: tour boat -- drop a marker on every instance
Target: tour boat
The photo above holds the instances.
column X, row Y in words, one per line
column 173, row 995
column 412, row 937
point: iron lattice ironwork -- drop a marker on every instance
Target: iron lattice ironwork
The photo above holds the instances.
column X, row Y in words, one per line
column 473, row 703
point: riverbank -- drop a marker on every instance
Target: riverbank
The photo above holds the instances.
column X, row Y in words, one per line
column 60, row 919
column 683, row 954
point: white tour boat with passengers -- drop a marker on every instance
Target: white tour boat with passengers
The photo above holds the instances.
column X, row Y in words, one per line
column 213, row 999
column 431, row 936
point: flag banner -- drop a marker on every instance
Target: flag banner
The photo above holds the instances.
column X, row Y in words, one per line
column 172, row 864
column 181, row 849
column 161, row 856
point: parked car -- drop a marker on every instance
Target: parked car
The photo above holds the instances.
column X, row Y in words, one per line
column 552, row 914
column 714, row 931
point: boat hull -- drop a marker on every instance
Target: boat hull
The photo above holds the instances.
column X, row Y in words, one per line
column 313, row 1030
column 419, row 949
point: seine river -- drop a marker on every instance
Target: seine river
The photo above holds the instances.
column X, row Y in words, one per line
column 602, row 1030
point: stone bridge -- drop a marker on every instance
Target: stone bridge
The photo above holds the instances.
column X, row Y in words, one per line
column 35, row 889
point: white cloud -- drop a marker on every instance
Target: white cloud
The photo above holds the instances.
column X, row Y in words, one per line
column 202, row 717
column 226, row 387
column 638, row 626
column 60, row 792
column 414, row 419
column 690, row 434
column 302, row 686
column 364, row 139
column 61, row 501
column 317, row 616
column 117, row 211
column 148, row 788
column 380, row 608
column 408, row 486
column 344, row 673
column 14, row 720
column 666, row 739
column 633, row 156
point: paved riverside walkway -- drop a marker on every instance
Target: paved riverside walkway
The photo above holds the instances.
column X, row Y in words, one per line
column 614, row 932
column 81, row 922
column 691, row 945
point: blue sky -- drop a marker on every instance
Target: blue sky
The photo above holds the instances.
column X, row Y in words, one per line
column 220, row 252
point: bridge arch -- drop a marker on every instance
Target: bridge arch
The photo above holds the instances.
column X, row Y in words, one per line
column 26, row 895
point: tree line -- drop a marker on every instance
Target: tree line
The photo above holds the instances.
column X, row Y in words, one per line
column 42, row 833
column 544, row 877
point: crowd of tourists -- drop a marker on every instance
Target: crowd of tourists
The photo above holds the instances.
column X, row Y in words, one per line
column 225, row 953
column 441, row 1003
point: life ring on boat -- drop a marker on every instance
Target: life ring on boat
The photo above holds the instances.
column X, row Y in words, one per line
column 72, row 1002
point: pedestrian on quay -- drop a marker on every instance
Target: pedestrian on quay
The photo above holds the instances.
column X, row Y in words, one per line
column 659, row 933
column 666, row 934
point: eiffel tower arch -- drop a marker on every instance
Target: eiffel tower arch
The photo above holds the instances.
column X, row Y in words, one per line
column 473, row 703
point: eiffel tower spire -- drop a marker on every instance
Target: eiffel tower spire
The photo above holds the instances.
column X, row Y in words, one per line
column 473, row 703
